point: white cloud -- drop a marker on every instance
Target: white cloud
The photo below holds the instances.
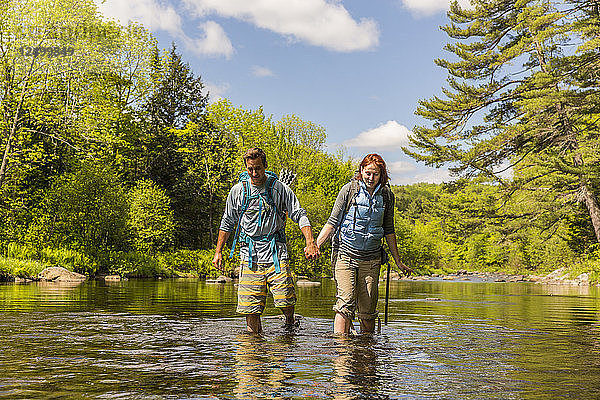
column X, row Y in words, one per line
column 317, row 22
column 148, row 12
column 386, row 136
column 216, row 91
column 400, row 167
column 214, row 42
column 155, row 16
column 431, row 175
column 429, row 7
column 261, row 72
column 505, row 171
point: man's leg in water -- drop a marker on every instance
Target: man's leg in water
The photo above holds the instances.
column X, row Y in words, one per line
column 283, row 290
column 253, row 324
column 252, row 296
column 289, row 315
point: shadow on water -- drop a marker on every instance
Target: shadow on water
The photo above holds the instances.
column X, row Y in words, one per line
column 181, row 339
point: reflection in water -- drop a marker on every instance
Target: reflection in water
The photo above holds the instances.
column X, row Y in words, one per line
column 355, row 368
column 260, row 367
column 57, row 287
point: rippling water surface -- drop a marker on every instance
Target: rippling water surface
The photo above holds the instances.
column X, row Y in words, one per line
column 181, row 339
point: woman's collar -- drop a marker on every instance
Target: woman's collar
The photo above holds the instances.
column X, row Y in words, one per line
column 362, row 184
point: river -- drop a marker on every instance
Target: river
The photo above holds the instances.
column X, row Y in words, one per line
column 181, row 339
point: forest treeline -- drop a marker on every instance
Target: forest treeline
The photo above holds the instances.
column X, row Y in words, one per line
column 115, row 162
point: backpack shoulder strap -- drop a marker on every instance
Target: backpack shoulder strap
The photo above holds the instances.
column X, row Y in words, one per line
column 388, row 197
column 352, row 193
column 271, row 179
column 244, row 179
column 269, row 185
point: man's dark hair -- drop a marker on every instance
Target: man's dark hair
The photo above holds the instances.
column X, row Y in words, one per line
column 254, row 153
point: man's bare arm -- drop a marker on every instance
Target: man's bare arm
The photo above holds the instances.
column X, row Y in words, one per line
column 218, row 258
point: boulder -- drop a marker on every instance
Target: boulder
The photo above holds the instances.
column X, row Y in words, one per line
column 60, row 274
column 394, row 275
column 583, row 279
column 558, row 274
column 307, row 283
column 220, row 279
column 112, row 278
column 561, row 276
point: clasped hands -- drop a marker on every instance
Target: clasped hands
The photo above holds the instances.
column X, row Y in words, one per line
column 311, row 251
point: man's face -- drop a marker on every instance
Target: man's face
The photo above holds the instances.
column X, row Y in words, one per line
column 256, row 170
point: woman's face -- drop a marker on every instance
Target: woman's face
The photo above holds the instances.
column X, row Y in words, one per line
column 370, row 175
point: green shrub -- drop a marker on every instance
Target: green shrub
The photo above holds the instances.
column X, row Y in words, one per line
column 420, row 245
column 22, row 251
column 70, row 259
column 131, row 264
column 195, row 262
column 150, row 218
column 85, row 210
column 482, row 251
column 10, row 267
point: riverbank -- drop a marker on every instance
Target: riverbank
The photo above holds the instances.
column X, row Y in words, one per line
column 22, row 271
column 25, row 263
column 561, row 276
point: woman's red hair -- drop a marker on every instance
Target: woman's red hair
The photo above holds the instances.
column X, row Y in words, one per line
column 377, row 160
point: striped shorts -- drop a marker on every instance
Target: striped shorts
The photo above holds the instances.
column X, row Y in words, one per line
column 252, row 287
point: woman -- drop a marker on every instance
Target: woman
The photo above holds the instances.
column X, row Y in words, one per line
column 362, row 215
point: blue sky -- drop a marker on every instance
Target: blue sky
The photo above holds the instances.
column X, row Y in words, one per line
column 356, row 67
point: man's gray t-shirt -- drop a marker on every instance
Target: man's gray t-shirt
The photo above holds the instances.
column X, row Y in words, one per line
column 270, row 222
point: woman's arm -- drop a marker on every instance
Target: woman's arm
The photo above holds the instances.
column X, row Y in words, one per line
column 337, row 213
column 393, row 245
column 325, row 234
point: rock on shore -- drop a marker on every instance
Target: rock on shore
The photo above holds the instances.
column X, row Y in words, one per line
column 561, row 277
column 60, row 274
column 307, row 283
column 220, row 279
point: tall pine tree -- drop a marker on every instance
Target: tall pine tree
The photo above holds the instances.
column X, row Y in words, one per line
column 519, row 98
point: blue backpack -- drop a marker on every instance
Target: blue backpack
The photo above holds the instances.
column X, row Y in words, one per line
column 266, row 196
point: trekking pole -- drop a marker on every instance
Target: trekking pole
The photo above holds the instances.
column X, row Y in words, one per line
column 387, row 294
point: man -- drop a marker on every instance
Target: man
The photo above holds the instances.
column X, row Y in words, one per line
column 258, row 205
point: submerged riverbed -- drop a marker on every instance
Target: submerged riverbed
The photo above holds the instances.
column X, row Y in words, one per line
column 181, row 339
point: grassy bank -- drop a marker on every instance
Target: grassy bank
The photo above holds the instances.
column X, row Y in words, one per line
column 11, row 268
column 26, row 261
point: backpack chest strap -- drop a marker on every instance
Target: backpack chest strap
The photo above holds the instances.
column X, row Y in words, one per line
column 272, row 238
